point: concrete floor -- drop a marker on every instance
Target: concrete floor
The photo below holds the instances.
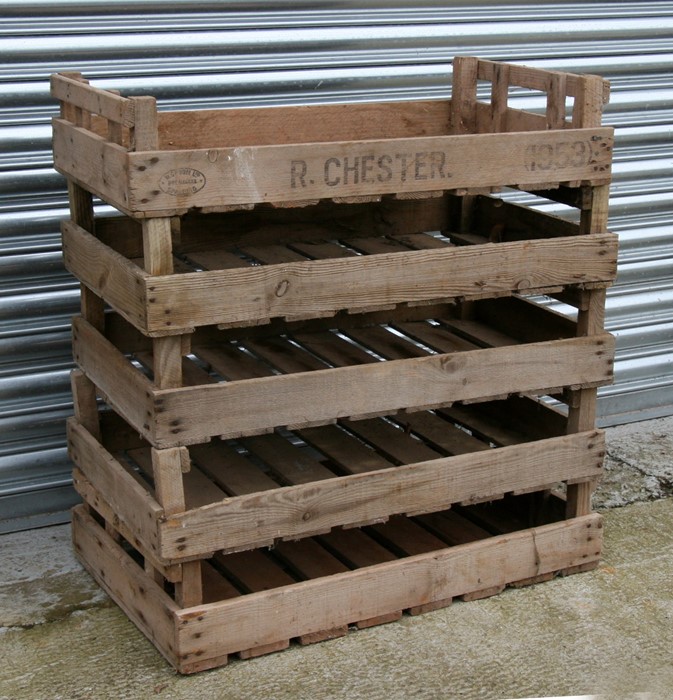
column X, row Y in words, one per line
column 608, row 632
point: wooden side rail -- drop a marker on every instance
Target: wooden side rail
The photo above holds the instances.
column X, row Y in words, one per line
column 589, row 92
column 132, row 122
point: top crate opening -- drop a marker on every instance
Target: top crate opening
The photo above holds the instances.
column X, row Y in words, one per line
column 148, row 163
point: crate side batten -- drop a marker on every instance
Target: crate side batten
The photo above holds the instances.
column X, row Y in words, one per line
column 290, row 512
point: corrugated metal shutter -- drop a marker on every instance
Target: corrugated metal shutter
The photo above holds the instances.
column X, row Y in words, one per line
column 225, row 54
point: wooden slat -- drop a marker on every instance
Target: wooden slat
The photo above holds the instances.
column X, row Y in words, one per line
column 317, row 287
column 192, row 374
column 311, row 561
column 300, row 609
column 130, row 501
column 217, row 259
column 232, row 364
column 92, row 99
column 464, row 95
column 351, row 455
column 525, row 320
column 479, row 333
column 517, row 222
column 106, row 272
column 296, row 124
column 93, row 163
column 320, row 250
column 289, row 463
column 133, row 590
column 493, row 428
column 421, row 241
column 536, row 78
column 254, row 570
column 333, row 349
column 385, row 343
column 436, row 337
column 307, row 172
column 126, row 389
column 496, row 518
column 272, row 254
column 420, row 487
column 230, row 470
column 406, row 537
column 376, row 245
column 145, row 127
column 356, row 548
column 198, row 489
column 390, row 441
column 452, row 528
column 441, row 433
column 384, row 387
column 284, row 356
column 215, row 586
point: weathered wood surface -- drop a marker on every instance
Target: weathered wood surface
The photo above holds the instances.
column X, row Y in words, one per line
column 170, row 417
column 164, row 183
column 242, row 407
column 306, row 497
column 293, row 512
column 203, row 636
column 177, row 180
column 159, row 304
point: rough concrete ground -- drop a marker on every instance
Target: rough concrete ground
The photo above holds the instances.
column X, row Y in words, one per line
column 609, row 631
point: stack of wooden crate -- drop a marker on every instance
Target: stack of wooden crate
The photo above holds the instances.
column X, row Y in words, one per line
column 312, row 354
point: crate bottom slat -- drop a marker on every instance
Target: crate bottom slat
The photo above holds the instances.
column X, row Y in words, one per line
column 263, row 618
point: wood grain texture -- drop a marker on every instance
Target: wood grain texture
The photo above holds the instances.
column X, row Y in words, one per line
column 81, row 94
column 179, row 180
column 237, row 408
column 300, row 609
column 130, row 501
column 136, row 593
column 125, row 388
column 168, row 303
column 428, row 486
column 224, row 128
column 95, row 164
column 107, row 273
column 326, row 286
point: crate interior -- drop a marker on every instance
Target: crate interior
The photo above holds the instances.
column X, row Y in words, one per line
column 228, row 355
column 268, row 236
column 227, row 576
column 222, row 469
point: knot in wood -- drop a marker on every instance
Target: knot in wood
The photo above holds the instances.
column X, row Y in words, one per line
column 282, row 287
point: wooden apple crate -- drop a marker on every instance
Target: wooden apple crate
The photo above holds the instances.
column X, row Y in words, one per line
column 243, row 383
column 258, row 601
column 314, row 319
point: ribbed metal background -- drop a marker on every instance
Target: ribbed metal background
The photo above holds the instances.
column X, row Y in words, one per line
column 234, row 53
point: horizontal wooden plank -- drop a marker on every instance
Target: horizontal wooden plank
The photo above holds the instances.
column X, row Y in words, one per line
column 125, row 388
column 535, row 78
column 179, row 180
column 94, row 100
column 136, row 593
column 326, row 286
column 300, row 608
column 109, row 274
column 256, row 126
column 132, row 504
column 195, row 413
column 91, row 162
column 427, row 486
